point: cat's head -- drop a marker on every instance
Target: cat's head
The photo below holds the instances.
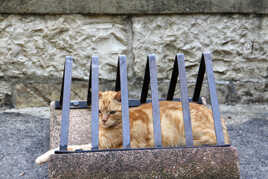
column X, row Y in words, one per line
column 109, row 109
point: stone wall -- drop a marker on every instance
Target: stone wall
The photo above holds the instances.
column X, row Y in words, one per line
column 112, row 7
column 33, row 50
column 35, row 37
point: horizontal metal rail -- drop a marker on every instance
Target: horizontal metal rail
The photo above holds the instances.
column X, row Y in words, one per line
column 149, row 148
column 131, row 103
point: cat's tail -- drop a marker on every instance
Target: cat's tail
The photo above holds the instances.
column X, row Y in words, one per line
column 45, row 157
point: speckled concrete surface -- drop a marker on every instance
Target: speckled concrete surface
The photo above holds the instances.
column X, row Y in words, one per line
column 23, row 137
column 80, row 123
column 203, row 162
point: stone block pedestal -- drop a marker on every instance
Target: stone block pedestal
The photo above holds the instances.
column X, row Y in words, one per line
column 198, row 162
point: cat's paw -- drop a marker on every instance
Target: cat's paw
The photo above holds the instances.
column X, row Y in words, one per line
column 41, row 159
column 44, row 157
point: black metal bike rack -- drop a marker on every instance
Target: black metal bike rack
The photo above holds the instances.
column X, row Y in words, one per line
column 150, row 76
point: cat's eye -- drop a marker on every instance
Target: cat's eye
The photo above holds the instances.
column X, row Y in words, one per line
column 99, row 112
column 112, row 112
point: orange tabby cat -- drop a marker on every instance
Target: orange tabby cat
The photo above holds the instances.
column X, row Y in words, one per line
column 141, row 125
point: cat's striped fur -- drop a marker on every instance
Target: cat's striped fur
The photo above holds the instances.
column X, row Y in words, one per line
column 141, row 125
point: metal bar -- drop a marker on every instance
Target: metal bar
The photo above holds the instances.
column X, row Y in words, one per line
column 89, row 86
column 140, row 149
column 131, row 103
column 62, row 86
column 124, row 100
column 66, row 103
column 213, row 98
column 73, row 105
column 185, row 100
column 95, row 103
column 155, row 103
column 145, row 86
column 117, row 81
column 173, row 81
column 199, row 80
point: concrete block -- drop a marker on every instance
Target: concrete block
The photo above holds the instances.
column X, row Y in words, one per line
column 201, row 162
column 80, row 126
column 198, row 162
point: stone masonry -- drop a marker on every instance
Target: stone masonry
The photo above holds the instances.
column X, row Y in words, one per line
column 33, row 50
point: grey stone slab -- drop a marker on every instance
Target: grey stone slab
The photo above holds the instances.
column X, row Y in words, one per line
column 133, row 7
column 253, row 153
column 248, row 130
column 23, row 137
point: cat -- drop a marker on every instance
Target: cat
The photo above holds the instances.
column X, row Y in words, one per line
column 141, row 125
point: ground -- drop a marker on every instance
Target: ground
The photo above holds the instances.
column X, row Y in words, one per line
column 24, row 135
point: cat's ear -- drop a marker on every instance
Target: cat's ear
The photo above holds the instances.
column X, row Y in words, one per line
column 118, row 96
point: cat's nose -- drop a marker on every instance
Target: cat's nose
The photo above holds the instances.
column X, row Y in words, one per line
column 104, row 120
column 104, row 117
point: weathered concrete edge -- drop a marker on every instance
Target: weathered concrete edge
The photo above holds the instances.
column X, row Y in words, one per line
column 200, row 162
column 138, row 7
